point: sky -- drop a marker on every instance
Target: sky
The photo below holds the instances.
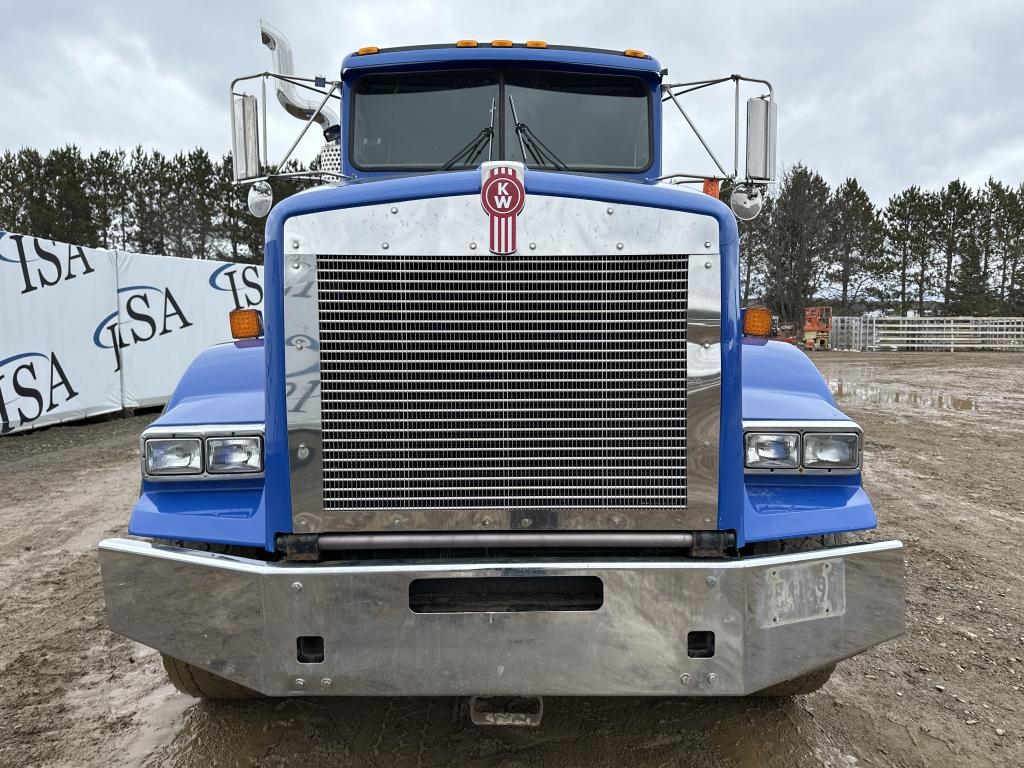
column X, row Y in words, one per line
column 894, row 93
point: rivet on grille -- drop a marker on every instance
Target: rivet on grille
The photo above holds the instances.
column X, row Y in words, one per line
column 620, row 246
column 707, row 265
column 472, row 246
column 394, row 209
column 295, row 265
column 302, row 451
column 707, row 243
column 610, row 211
column 384, row 246
column 295, row 244
column 706, row 345
column 533, row 246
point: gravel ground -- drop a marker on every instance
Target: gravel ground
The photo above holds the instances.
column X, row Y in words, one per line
column 943, row 467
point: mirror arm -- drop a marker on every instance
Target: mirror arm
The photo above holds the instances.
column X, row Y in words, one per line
column 309, row 122
column 696, row 132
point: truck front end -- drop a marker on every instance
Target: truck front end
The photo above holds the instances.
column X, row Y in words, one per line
column 502, row 433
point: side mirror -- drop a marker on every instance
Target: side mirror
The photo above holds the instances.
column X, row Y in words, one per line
column 245, row 140
column 746, row 202
column 261, row 199
column 761, row 121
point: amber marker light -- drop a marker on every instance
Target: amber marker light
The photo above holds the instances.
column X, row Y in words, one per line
column 246, row 323
column 536, row 44
column 634, row 53
column 757, row 321
column 466, row 44
column 368, row 49
column 501, row 43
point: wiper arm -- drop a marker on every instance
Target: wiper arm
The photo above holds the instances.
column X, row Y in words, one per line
column 530, row 142
column 472, row 150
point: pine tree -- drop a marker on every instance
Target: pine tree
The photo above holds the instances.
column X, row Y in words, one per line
column 909, row 236
column 857, row 238
column 954, row 213
column 799, row 245
column 105, row 185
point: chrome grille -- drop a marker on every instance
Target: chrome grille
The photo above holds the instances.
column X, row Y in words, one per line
column 518, row 381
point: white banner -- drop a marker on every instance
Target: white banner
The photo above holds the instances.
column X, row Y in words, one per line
column 50, row 371
column 170, row 310
column 85, row 331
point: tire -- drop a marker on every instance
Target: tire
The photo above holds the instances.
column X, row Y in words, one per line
column 799, row 686
column 201, row 684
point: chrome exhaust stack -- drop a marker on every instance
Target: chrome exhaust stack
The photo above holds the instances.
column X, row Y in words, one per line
column 287, row 94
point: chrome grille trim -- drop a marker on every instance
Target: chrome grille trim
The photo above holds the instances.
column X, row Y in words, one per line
column 613, row 394
column 572, row 230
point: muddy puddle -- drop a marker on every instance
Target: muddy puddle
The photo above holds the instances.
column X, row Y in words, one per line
column 845, row 391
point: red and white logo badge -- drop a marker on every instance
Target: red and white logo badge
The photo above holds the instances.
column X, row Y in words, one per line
column 503, row 195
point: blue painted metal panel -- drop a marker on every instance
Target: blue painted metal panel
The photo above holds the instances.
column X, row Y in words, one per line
column 780, row 383
column 225, row 384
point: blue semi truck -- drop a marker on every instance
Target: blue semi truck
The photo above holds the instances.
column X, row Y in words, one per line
column 499, row 431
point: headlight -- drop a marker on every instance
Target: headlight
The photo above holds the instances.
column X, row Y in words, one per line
column 174, row 456
column 772, row 450
column 826, row 450
column 234, row 455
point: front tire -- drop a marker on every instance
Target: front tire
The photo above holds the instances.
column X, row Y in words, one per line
column 799, row 686
column 201, row 684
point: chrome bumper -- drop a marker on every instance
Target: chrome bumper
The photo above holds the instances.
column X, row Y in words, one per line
column 773, row 618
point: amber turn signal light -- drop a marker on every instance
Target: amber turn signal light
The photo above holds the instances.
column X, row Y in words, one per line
column 501, row 43
column 536, row 44
column 366, row 50
column 466, row 44
column 634, row 53
column 246, row 323
column 757, row 321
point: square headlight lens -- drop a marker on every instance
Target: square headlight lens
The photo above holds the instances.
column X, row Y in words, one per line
column 174, row 456
column 772, row 451
column 826, row 450
column 234, row 455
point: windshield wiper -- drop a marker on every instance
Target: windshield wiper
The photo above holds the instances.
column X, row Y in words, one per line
column 530, row 142
column 472, row 150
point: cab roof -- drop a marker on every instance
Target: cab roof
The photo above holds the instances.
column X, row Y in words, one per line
column 487, row 54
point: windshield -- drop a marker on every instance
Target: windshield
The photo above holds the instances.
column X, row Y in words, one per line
column 563, row 121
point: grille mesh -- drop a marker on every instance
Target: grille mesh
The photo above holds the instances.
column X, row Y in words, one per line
column 517, row 381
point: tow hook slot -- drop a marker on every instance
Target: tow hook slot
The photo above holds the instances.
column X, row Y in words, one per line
column 506, row 710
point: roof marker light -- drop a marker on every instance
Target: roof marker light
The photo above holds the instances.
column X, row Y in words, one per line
column 466, row 44
column 501, row 43
column 635, row 53
column 367, row 49
column 536, row 44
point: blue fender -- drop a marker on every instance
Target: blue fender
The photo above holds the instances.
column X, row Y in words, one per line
column 780, row 383
column 225, row 384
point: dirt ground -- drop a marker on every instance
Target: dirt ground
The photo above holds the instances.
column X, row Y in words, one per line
column 944, row 467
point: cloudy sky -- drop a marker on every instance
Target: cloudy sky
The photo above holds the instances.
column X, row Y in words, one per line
column 894, row 93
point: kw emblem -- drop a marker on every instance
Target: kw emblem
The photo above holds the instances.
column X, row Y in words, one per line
column 502, row 195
